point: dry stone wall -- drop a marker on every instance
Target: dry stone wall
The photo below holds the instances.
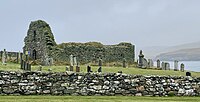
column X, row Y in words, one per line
column 39, row 83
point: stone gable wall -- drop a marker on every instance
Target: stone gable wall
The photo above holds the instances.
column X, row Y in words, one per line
column 38, row 83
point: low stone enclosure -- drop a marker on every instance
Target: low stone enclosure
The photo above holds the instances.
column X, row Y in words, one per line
column 108, row 84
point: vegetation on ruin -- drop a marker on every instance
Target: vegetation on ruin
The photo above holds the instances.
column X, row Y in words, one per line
column 96, row 99
column 105, row 69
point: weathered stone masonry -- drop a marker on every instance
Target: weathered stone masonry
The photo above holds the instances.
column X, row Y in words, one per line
column 41, row 45
column 38, row 83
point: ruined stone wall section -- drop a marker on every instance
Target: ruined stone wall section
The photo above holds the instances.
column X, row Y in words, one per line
column 37, row 83
column 93, row 51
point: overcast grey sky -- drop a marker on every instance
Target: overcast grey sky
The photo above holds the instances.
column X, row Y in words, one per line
column 141, row 22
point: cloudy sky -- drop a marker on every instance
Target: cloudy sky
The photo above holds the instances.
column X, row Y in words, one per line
column 141, row 22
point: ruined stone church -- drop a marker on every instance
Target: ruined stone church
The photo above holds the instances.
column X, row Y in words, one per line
column 40, row 45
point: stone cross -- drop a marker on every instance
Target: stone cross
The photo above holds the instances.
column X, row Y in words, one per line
column 4, row 57
column 158, row 63
column 175, row 65
column 182, row 67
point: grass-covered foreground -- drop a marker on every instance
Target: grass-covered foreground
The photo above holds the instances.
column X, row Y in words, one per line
column 105, row 69
column 96, row 99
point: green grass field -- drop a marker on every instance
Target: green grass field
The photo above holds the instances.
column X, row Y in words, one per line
column 105, row 69
column 96, row 99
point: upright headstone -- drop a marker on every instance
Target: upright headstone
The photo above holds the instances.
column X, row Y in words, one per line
column 100, row 69
column 100, row 62
column 150, row 63
column 89, row 69
column 124, row 63
column 71, row 68
column 182, row 67
column 167, row 66
column 21, row 61
column 75, row 61
column 4, row 57
column 22, row 64
column 77, row 68
column 145, row 63
column 71, row 60
column 188, row 74
column 175, row 65
column 163, row 65
column 17, row 59
column 158, row 63
column 140, row 61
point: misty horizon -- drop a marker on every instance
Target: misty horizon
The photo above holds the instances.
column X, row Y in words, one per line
column 143, row 23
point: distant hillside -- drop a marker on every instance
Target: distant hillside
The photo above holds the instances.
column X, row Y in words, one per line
column 164, row 52
column 192, row 54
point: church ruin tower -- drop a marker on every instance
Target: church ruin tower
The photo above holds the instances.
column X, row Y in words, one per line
column 39, row 41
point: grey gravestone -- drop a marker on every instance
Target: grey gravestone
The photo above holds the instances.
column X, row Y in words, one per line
column 150, row 63
column 188, row 74
column 17, row 59
column 175, row 65
column 71, row 60
column 140, row 61
column 145, row 63
column 124, row 63
column 100, row 69
column 158, row 63
column 182, row 67
column 75, row 61
column 163, row 65
column 22, row 64
column 77, row 68
column 21, row 61
column 100, row 62
column 89, row 69
column 71, row 68
column 4, row 57
column 167, row 66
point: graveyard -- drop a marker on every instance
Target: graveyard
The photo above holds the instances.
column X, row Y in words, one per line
column 89, row 69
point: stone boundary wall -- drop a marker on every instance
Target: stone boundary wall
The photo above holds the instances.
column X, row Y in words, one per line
column 40, row 83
